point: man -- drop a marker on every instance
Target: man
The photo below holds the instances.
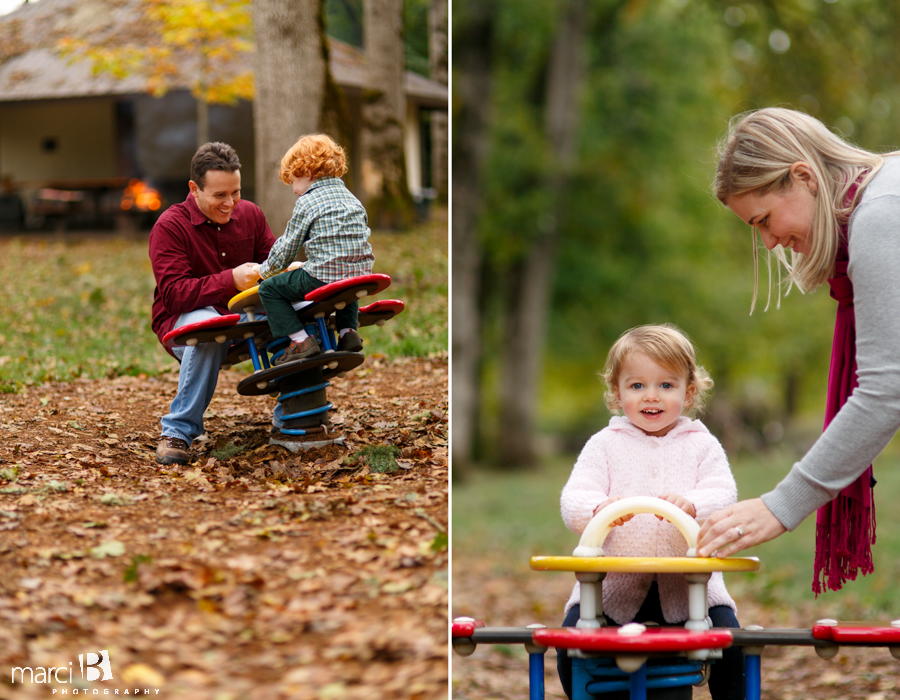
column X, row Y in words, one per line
column 203, row 253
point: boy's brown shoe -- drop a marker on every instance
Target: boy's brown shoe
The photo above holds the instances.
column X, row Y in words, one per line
column 350, row 342
column 171, row 450
column 298, row 351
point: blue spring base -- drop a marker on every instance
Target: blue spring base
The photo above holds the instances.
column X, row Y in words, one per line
column 593, row 678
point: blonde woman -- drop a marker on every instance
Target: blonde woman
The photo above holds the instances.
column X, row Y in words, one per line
column 830, row 213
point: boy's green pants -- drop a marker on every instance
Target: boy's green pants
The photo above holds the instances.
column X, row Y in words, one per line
column 279, row 292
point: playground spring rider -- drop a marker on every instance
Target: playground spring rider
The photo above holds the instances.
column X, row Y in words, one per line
column 635, row 658
column 301, row 385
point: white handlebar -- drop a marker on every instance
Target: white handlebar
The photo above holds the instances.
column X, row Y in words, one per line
column 594, row 535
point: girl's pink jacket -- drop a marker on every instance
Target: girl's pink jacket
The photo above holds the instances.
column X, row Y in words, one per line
column 622, row 460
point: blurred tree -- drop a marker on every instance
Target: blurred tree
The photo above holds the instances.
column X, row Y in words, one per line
column 473, row 88
column 195, row 42
column 437, row 53
column 384, row 185
column 530, row 276
column 638, row 237
column 295, row 94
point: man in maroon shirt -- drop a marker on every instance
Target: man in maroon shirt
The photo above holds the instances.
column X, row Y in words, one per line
column 202, row 252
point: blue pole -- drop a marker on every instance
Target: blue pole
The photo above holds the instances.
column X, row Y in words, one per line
column 754, row 681
column 254, row 355
column 323, row 332
column 536, row 676
column 638, row 684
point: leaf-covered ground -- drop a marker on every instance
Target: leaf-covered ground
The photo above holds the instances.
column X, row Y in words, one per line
column 526, row 597
column 265, row 574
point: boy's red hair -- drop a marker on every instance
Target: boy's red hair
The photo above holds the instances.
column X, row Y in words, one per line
column 315, row 155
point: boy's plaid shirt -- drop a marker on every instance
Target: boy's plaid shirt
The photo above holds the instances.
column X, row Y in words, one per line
column 331, row 225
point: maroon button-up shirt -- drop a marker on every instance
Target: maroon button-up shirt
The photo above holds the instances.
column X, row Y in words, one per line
column 193, row 257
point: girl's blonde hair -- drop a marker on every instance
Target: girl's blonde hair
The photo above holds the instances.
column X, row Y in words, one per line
column 757, row 154
column 316, row 155
column 666, row 345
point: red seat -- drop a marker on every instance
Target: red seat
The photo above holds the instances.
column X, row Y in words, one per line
column 378, row 312
column 181, row 335
column 385, row 305
column 860, row 632
column 372, row 284
column 654, row 639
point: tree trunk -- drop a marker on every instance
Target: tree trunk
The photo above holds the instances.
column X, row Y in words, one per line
column 531, row 280
column 437, row 54
column 202, row 122
column 291, row 77
column 472, row 38
column 384, row 185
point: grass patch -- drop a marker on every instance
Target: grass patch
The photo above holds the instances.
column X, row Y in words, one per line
column 380, row 458
column 81, row 308
column 228, row 451
column 9, row 473
column 416, row 260
column 521, row 513
column 80, row 305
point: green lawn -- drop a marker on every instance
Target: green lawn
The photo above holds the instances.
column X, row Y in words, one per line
column 521, row 513
column 79, row 306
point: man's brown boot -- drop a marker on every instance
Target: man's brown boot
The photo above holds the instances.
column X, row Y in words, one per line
column 171, row 450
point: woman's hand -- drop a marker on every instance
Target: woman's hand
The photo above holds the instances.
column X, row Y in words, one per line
column 680, row 501
column 618, row 521
column 745, row 524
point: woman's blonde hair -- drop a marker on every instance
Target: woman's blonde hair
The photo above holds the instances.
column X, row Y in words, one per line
column 666, row 345
column 757, row 154
column 316, row 155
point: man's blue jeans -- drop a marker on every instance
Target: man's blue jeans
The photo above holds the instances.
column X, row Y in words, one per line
column 197, row 381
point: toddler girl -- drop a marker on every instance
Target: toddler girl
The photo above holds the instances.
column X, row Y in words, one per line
column 652, row 375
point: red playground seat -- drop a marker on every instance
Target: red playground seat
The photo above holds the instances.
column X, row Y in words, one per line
column 201, row 332
column 865, row 633
column 378, row 312
column 653, row 640
column 350, row 289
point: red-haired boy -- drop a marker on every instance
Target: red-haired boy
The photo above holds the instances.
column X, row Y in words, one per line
column 331, row 226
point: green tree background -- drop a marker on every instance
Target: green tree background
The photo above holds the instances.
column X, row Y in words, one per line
column 642, row 240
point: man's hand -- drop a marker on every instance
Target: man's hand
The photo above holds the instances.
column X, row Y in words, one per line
column 245, row 276
column 296, row 265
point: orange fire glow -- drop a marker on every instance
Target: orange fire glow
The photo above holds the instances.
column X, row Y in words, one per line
column 139, row 195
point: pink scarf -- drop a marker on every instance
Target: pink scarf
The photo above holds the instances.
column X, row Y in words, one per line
column 845, row 527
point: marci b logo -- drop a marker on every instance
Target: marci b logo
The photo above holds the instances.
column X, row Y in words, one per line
column 93, row 663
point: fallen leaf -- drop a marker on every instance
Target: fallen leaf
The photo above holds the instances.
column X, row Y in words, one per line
column 110, row 548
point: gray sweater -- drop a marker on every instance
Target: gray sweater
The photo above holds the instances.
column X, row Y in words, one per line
column 871, row 417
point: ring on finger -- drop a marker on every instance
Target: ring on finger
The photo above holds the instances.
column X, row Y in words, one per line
column 740, row 532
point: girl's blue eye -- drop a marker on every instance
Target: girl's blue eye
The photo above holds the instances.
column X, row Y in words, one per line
column 666, row 385
column 637, row 385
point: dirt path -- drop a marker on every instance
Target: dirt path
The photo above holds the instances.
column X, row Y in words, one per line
column 262, row 575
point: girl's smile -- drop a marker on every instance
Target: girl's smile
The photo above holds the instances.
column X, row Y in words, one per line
column 652, row 396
